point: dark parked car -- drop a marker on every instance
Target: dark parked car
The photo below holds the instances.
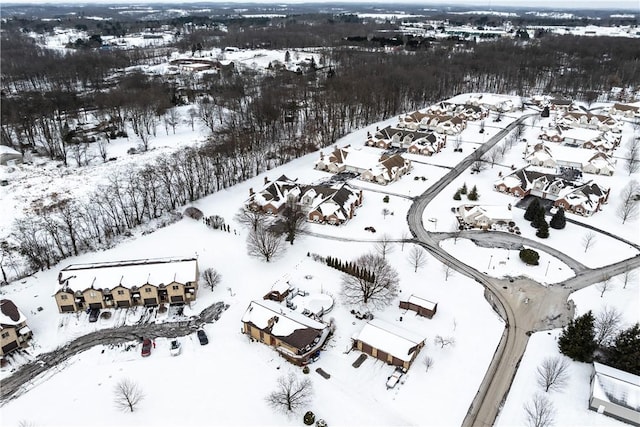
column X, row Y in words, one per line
column 93, row 314
column 146, row 347
column 202, row 337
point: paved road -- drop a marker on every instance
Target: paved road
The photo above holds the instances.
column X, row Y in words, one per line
column 525, row 305
column 28, row 374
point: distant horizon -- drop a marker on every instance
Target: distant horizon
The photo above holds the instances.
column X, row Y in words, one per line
column 628, row 5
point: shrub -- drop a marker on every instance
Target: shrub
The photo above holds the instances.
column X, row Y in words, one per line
column 473, row 194
column 305, row 370
column 543, row 230
column 463, row 189
column 309, row 418
column 529, row 256
column 457, row 195
column 386, row 199
column 193, row 212
column 558, row 221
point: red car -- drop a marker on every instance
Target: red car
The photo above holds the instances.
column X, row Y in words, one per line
column 146, row 347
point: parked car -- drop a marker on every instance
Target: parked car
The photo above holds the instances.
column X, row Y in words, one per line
column 202, row 337
column 394, row 378
column 176, row 348
column 93, row 314
column 146, row 347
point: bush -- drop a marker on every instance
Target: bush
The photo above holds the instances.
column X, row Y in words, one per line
column 309, row 418
column 543, row 230
column 305, row 370
column 193, row 212
column 473, row 194
column 457, row 195
column 529, row 256
column 558, row 220
column 463, row 189
column 386, row 199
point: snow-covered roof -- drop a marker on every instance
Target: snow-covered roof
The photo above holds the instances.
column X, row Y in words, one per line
column 78, row 277
column 429, row 305
column 389, row 338
column 10, row 315
column 288, row 321
column 616, row 386
column 8, row 150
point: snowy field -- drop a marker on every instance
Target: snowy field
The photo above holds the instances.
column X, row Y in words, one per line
column 211, row 383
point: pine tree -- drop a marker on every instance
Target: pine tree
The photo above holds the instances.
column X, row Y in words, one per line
column 624, row 354
column 558, row 221
column 457, row 195
column 463, row 189
column 533, row 207
column 543, row 230
column 577, row 340
column 538, row 218
column 473, row 194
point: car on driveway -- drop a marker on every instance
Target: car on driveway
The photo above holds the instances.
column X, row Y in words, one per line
column 93, row 314
column 394, row 378
column 202, row 337
column 176, row 348
column 146, row 347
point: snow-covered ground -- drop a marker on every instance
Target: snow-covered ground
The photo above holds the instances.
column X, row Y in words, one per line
column 211, row 384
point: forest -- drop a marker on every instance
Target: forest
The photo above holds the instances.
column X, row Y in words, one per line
column 255, row 121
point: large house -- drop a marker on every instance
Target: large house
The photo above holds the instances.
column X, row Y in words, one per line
column 576, row 197
column 389, row 343
column 447, row 124
column 296, row 337
column 370, row 166
column 484, row 216
column 331, row 204
column 589, row 120
column 14, row 332
column 145, row 282
column 581, row 137
column 583, row 160
column 625, row 110
column 426, row 143
column 615, row 393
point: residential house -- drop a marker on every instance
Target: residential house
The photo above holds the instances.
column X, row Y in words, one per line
column 572, row 195
column 14, row 332
column 389, row 343
column 296, row 337
column 615, row 393
column 330, row 205
column 589, row 120
column 147, row 282
column 368, row 164
column 629, row 111
column 273, row 197
column 587, row 161
column 485, row 216
column 445, row 124
column 421, row 306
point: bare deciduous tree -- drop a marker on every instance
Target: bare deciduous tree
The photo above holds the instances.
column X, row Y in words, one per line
column 605, row 285
column 606, row 325
column 447, row 271
column 588, row 240
column 211, row 278
column 628, row 207
column 444, row 341
column 552, row 374
column 428, row 362
column 384, row 246
column 293, row 219
column 378, row 288
column 632, row 158
column 406, row 236
column 102, row 149
column 629, row 275
column 417, row 258
column 539, row 412
column 262, row 242
column 250, row 218
column 291, row 394
column 128, row 395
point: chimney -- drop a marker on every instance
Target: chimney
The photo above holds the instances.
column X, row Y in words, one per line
column 266, row 180
column 251, row 192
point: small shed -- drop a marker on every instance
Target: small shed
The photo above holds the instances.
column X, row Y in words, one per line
column 420, row 305
column 615, row 393
column 279, row 291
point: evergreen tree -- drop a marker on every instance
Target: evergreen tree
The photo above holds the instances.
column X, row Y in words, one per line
column 473, row 194
column 577, row 340
column 538, row 218
column 463, row 189
column 558, row 221
column 529, row 256
column 624, row 354
column 543, row 230
column 533, row 207
column 457, row 195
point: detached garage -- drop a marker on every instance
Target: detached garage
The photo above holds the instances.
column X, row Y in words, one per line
column 615, row 393
column 389, row 343
column 421, row 306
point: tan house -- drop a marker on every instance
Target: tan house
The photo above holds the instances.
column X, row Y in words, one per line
column 14, row 332
column 386, row 342
column 147, row 282
column 296, row 337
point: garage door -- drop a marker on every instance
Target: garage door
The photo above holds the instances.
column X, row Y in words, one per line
column 9, row 347
column 124, row 304
column 95, row 305
column 150, row 301
column 366, row 348
column 67, row 308
column 382, row 355
column 177, row 298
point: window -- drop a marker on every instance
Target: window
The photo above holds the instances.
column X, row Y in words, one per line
column 5, row 334
column 175, row 287
column 120, row 292
column 64, row 296
column 92, row 294
column 147, row 290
